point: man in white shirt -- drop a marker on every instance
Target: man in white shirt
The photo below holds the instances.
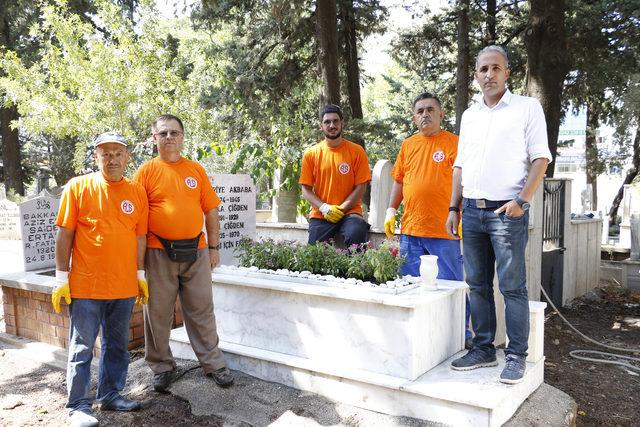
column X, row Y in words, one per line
column 503, row 153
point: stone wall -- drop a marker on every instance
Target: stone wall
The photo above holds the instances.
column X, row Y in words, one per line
column 30, row 314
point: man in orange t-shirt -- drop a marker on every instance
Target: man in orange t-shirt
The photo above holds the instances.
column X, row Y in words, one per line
column 334, row 176
column 423, row 175
column 181, row 201
column 102, row 221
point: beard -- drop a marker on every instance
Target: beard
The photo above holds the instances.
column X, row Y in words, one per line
column 332, row 137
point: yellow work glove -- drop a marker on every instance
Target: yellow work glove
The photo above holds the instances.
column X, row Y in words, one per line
column 143, row 289
column 390, row 223
column 331, row 213
column 61, row 290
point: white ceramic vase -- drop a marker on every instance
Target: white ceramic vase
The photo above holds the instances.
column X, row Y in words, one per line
column 429, row 272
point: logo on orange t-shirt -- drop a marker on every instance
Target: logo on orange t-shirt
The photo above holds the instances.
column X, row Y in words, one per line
column 191, row 182
column 127, row 207
column 438, row 156
column 344, row 168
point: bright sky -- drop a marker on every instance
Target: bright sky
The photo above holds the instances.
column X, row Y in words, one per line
column 375, row 56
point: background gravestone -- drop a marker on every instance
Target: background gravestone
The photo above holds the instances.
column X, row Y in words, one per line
column 38, row 227
column 8, row 219
column 237, row 212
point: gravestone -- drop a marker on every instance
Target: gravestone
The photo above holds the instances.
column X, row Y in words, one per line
column 8, row 219
column 38, row 228
column 625, row 225
column 237, row 213
column 381, row 184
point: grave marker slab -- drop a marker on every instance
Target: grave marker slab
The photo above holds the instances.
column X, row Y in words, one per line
column 237, row 212
column 9, row 219
column 38, row 227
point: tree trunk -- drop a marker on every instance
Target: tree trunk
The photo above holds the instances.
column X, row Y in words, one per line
column 591, row 151
column 628, row 179
column 490, row 37
column 462, row 70
column 547, row 64
column 11, row 160
column 350, row 55
column 327, row 48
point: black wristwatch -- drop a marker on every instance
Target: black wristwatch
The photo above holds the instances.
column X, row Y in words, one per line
column 454, row 209
column 215, row 248
column 522, row 203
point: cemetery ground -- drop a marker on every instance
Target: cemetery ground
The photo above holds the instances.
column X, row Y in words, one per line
column 33, row 393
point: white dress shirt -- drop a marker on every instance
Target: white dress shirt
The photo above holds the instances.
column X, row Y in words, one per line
column 497, row 145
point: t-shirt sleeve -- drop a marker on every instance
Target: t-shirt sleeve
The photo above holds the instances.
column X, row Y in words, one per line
column 454, row 150
column 306, row 171
column 536, row 133
column 363, row 171
column 142, row 226
column 68, row 209
column 398, row 168
column 208, row 198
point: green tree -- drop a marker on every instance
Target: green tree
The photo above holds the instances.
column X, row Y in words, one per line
column 90, row 80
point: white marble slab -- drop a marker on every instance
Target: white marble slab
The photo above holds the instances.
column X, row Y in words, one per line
column 467, row 398
column 400, row 335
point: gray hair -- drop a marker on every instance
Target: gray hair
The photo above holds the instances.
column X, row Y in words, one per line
column 494, row 48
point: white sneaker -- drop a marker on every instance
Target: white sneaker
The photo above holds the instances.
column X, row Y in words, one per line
column 82, row 419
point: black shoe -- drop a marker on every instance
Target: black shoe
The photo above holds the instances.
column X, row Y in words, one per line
column 121, row 404
column 162, row 381
column 474, row 359
column 223, row 377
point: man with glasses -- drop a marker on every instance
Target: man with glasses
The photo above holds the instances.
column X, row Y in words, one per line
column 334, row 175
column 179, row 259
column 102, row 222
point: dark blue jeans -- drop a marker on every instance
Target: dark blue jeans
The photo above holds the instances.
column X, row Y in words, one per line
column 496, row 241
column 353, row 228
column 87, row 316
column 449, row 261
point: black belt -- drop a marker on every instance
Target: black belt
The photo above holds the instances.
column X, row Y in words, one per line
column 483, row 203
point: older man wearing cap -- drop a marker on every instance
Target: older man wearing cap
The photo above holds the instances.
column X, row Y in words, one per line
column 102, row 222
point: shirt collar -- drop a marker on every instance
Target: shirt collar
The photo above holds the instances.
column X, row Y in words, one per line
column 506, row 99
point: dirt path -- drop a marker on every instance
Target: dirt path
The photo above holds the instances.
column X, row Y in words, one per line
column 606, row 394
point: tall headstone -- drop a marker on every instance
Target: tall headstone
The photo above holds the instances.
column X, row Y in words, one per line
column 381, row 183
column 625, row 225
column 237, row 213
column 9, row 220
column 38, row 228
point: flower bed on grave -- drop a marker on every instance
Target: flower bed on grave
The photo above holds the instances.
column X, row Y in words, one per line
column 359, row 266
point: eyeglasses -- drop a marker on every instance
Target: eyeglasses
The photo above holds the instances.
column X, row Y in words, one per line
column 169, row 134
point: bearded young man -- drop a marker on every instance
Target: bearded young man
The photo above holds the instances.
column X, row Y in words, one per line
column 334, row 176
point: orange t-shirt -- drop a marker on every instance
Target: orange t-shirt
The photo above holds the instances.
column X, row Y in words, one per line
column 334, row 173
column 424, row 167
column 107, row 218
column 179, row 194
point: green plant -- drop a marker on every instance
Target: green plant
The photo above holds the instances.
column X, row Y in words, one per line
column 359, row 261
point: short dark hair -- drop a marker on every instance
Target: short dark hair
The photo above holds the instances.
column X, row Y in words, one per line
column 166, row 118
column 331, row 108
column 425, row 95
